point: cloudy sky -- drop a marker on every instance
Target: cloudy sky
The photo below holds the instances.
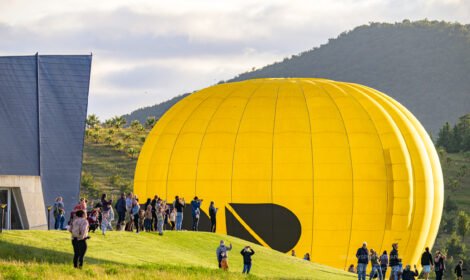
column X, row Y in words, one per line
column 145, row 52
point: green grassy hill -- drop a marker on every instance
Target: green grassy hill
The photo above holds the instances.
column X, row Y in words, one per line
column 125, row 255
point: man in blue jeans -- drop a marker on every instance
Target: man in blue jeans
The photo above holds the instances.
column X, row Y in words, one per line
column 247, row 252
column 362, row 256
column 179, row 205
column 394, row 261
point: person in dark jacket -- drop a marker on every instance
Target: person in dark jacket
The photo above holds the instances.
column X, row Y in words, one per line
column 427, row 263
column 439, row 265
column 196, row 212
column 121, row 209
column 394, row 262
column 179, row 204
column 212, row 215
column 247, row 252
column 384, row 263
column 362, row 256
column 409, row 274
column 458, row 270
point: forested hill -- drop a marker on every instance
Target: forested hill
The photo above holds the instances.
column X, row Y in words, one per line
column 425, row 65
column 156, row 110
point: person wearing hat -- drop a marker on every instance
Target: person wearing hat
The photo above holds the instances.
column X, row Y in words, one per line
column 222, row 251
column 362, row 256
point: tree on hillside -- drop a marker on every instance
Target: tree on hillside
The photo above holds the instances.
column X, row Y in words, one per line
column 118, row 121
column 92, row 121
column 456, row 138
column 463, row 224
column 150, row 122
column 136, row 125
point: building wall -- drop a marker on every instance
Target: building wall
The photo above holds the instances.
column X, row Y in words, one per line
column 43, row 106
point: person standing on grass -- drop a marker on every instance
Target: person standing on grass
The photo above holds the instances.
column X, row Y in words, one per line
column 148, row 218
column 427, row 263
column 439, row 265
column 179, row 204
column 59, row 212
column 79, row 230
column 362, row 256
column 247, row 252
column 222, row 250
column 458, row 270
column 135, row 213
column 212, row 215
column 376, row 269
column 394, row 262
column 160, row 221
column 173, row 218
column 196, row 212
column 121, row 209
column 384, row 263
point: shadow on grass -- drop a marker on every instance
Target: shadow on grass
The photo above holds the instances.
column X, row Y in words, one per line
column 23, row 253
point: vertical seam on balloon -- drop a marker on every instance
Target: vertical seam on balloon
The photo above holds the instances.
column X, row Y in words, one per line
column 236, row 137
column 155, row 143
column 352, row 168
column 205, row 131
column 430, row 150
column 272, row 156
column 179, row 134
column 411, row 127
column 381, row 143
column 313, row 168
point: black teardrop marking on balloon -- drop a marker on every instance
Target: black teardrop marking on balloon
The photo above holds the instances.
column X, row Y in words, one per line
column 234, row 228
column 204, row 220
column 275, row 224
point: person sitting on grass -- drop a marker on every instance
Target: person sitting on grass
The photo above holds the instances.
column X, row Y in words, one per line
column 247, row 252
column 79, row 230
column 307, row 257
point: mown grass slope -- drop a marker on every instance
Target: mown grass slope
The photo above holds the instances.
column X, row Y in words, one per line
column 125, row 255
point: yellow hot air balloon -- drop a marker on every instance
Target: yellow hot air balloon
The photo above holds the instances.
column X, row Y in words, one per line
column 314, row 165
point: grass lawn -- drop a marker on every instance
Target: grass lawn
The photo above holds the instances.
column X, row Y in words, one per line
column 125, row 255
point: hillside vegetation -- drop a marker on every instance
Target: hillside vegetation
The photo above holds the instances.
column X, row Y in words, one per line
column 126, row 255
column 424, row 65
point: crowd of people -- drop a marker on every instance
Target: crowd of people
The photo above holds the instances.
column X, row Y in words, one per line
column 155, row 215
column 380, row 265
column 158, row 215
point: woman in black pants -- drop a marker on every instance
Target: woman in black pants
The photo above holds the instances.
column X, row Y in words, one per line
column 79, row 230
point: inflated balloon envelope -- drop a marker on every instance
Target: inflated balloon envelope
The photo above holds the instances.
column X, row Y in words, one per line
column 314, row 165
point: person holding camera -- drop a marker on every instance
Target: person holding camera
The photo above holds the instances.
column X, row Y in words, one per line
column 409, row 274
column 179, row 204
column 247, row 252
column 196, row 212
column 79, row 230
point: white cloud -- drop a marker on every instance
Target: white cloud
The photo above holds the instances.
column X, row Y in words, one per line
column 147, row 51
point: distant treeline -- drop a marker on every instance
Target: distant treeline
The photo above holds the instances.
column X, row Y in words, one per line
column 457, row 138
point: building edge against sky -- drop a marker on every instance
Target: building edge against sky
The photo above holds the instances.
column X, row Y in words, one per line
column 43, row 107
column 346, row 160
